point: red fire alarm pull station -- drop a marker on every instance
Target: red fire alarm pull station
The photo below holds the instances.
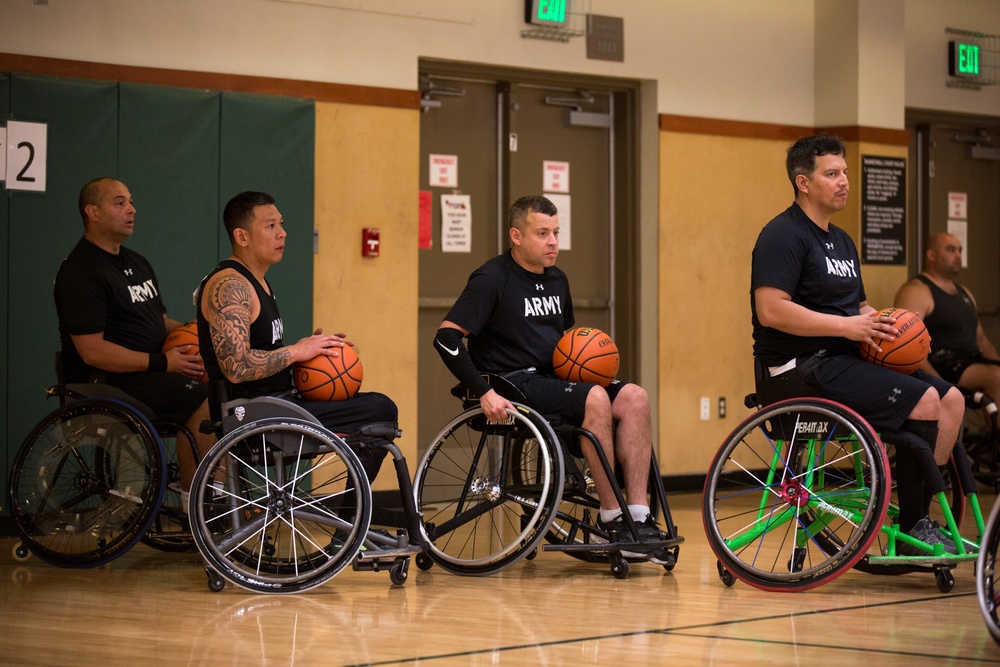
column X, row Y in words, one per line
column 369, row 242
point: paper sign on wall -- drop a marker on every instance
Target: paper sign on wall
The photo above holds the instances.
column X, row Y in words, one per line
column 562, row 205
column 958, row 205
column 960, row 230
column 555, row 176
column 456, row 223
column 443, row 171
column 424, row 240
column 26, row 152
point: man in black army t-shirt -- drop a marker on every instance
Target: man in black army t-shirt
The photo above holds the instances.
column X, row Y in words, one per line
column 514, row 310
column 112, row 321
column 809, row 312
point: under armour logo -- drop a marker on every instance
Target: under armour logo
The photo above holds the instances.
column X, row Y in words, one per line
column 569, row 387
column 128, row 272
column 895, row 395
column 829, row 246
column 539, row 287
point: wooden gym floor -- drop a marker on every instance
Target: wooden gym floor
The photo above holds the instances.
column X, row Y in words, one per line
column 150, row 608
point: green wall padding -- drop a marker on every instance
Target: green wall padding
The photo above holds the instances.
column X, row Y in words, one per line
column 268, row 145
column 82, row 118
column 168, row 147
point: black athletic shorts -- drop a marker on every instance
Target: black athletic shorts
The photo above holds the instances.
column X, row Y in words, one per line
column 346, row 417
column 950, row 364
column 171, row 396
column 551, row 396
column 885, row 398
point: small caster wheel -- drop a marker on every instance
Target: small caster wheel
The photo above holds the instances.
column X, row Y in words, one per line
column 21, row 552
column 728, row 578
column 671, row 562
column 619, row 567
column 424, row 562
column 399, row 571
column 945, row 579
column 215, row 582
column 531, row 554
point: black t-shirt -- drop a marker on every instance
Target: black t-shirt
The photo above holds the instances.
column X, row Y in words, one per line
column 266, row 333
column 96, row 291
column 515, row 317
column 820, row 270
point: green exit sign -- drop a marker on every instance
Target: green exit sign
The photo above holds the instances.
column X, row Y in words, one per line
column 963, row 59
column 546, row 12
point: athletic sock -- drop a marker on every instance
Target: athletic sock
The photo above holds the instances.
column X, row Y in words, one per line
column 607, row 516
column 639, row 512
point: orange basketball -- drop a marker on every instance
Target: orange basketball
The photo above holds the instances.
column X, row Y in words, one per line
column 907, row 353
column 585, row 354
column 186, row 334
column 324, row 378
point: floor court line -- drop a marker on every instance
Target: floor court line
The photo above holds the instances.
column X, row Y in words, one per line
column 686, row 631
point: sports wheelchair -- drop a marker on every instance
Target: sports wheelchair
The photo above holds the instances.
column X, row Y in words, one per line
column 981, row 437
column 801, row 491
column 489, row 493
column 281, row 504
column 96, row 476
column 987, row 586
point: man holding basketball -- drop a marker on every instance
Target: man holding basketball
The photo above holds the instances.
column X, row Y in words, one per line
column 240, row 329
column 810, row 312
column 112, row 321
column 510, row 339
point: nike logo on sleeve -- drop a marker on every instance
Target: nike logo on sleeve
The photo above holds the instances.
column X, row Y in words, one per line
column 453, row 353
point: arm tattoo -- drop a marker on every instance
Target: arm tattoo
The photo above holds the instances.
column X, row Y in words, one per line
column 230, row 305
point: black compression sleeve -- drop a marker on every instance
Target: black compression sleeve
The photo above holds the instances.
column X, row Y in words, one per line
column 448, row 343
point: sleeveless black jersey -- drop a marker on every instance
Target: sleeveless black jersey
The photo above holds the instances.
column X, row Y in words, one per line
column 96, row 291
column 515, row 317
column 953, row 323
column 820, row 269
column 265, row 334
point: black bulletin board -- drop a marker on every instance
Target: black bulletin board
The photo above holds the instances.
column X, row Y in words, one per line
column 883, row 210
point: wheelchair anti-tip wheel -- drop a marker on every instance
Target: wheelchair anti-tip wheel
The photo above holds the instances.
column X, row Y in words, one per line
column 488, row 492
column 796, row 495
column 280, row 506
column 86, row 483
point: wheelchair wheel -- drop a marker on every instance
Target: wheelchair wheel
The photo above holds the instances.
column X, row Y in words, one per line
column 488, row 492
column 171, row 530
column 796, row 495
column 987, row 587
column 280, row 506
column 87, row 483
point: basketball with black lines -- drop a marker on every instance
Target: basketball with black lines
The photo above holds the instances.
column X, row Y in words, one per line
column 586, row 354
column 910, row 348
column 324, row 378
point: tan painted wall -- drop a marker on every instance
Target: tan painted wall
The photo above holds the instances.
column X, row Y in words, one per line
column 716, row 193
column 367, row 176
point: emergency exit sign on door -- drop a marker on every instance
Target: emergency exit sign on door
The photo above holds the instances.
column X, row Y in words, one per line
column 963, row 59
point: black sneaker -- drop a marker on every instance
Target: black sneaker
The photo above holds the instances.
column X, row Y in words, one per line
column 929, row 531
column 648, row 532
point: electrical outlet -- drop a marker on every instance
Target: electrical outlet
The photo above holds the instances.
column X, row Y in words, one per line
column 704, row 408
column 722, row 407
